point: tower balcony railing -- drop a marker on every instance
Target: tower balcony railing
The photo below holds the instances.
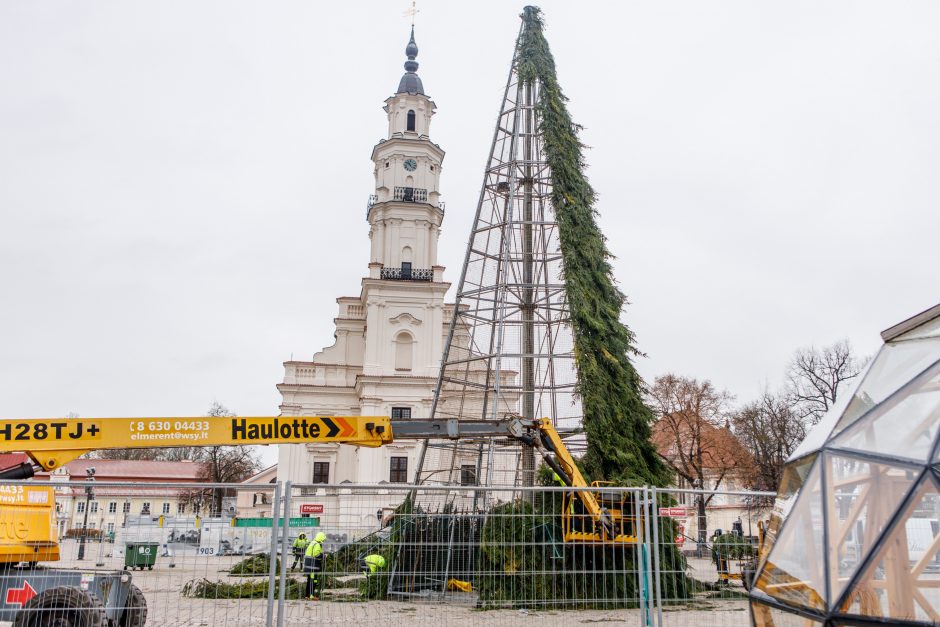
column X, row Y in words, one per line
column 410, row 194
column 404, row 194
column 407, row 273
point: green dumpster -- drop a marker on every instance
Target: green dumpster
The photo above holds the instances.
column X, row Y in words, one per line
column 140, row 555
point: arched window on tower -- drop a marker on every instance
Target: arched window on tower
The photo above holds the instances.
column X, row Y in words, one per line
column 411, row 121
column 404, row 351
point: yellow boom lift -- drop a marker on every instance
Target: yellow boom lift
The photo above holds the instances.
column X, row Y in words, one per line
column 27, row 530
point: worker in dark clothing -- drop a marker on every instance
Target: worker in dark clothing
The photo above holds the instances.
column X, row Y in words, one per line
column 299, row 548
column 720, row 553
column 727, row 547
column 313, row 565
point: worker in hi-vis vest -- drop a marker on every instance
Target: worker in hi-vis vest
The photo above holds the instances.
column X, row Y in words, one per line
column 576, row 521
column 372, row 563
column 313, row 564
column 299, row 549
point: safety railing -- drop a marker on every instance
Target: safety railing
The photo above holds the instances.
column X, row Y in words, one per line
column 407, row 274
column 404, row 194
column 187, row 554
column 410, row 194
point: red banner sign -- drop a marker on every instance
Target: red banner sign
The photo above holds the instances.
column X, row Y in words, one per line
column 311, row 508
column 673, row 512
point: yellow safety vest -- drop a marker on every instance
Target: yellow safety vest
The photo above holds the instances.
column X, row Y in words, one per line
column 374, row 562
column 314, row 549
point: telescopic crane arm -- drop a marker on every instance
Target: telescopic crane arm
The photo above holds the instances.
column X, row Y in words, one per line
column 53, row 442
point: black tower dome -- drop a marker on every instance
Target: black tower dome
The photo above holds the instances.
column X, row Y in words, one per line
column 410, row 83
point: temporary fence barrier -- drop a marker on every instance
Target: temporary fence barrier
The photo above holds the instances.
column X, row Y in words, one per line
column 186, row 554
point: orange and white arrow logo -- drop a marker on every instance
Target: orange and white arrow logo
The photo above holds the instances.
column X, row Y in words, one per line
column 346, row 429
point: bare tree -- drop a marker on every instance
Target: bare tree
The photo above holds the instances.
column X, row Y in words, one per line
column 149, row 454
column 218, row 464
column 770, row 429
column 815, row 377
column 178, row 454
column 693, row 435
column 183, row 454
column 225, row 464
column 191, row 453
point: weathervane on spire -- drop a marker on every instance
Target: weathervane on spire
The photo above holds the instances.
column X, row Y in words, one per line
column 412, row 12
column 410, row 83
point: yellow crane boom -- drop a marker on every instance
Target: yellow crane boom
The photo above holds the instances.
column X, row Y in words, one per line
column 52, row 442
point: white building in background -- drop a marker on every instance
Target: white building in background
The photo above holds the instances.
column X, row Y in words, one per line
column 257, row 500
column 109, row 508
column 389, row 338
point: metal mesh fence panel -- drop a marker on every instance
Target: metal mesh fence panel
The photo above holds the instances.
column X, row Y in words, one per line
column 184, row 554
column 135, row 554
column 443, row 554
column 706, row 546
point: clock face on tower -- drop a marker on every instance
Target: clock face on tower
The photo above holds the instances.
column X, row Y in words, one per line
column 411, row 165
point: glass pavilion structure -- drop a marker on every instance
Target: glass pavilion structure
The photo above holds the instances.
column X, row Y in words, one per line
column 854, row 537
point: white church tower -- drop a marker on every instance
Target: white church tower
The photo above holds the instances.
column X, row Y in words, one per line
column 390, row 337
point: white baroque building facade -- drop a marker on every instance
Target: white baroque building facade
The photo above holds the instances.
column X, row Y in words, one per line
column 389, row 338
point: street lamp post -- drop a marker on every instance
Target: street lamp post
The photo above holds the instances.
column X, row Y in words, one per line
column 89, row 494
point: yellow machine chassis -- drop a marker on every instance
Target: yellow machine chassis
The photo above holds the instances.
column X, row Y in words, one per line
column 582, row 528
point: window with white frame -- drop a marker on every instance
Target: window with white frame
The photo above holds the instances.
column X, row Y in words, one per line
column 398, row 470
column 468, row 474
column 401, row 413
column 321, row 472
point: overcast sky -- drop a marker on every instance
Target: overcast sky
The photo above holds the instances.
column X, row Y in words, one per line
column 183, row 184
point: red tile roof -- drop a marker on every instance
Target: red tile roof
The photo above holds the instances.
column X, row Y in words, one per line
column 134, row 470
column 9, row 460
column 720, row 448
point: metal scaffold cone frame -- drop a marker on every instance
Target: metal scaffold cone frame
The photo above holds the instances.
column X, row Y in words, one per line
column 510, row 346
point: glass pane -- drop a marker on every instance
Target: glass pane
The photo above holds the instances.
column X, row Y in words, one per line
column 793, row 476
column 895, row 365
column 901, row 582
column 863, row 495
column 766, row 616
column 928, row 329
column 905, row 429
column 794, row 571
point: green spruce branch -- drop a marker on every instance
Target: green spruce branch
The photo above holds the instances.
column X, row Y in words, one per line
column 616, row 419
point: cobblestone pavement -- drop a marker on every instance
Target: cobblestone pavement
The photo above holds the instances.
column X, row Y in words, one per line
column 206, row 613
column 168, row 608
